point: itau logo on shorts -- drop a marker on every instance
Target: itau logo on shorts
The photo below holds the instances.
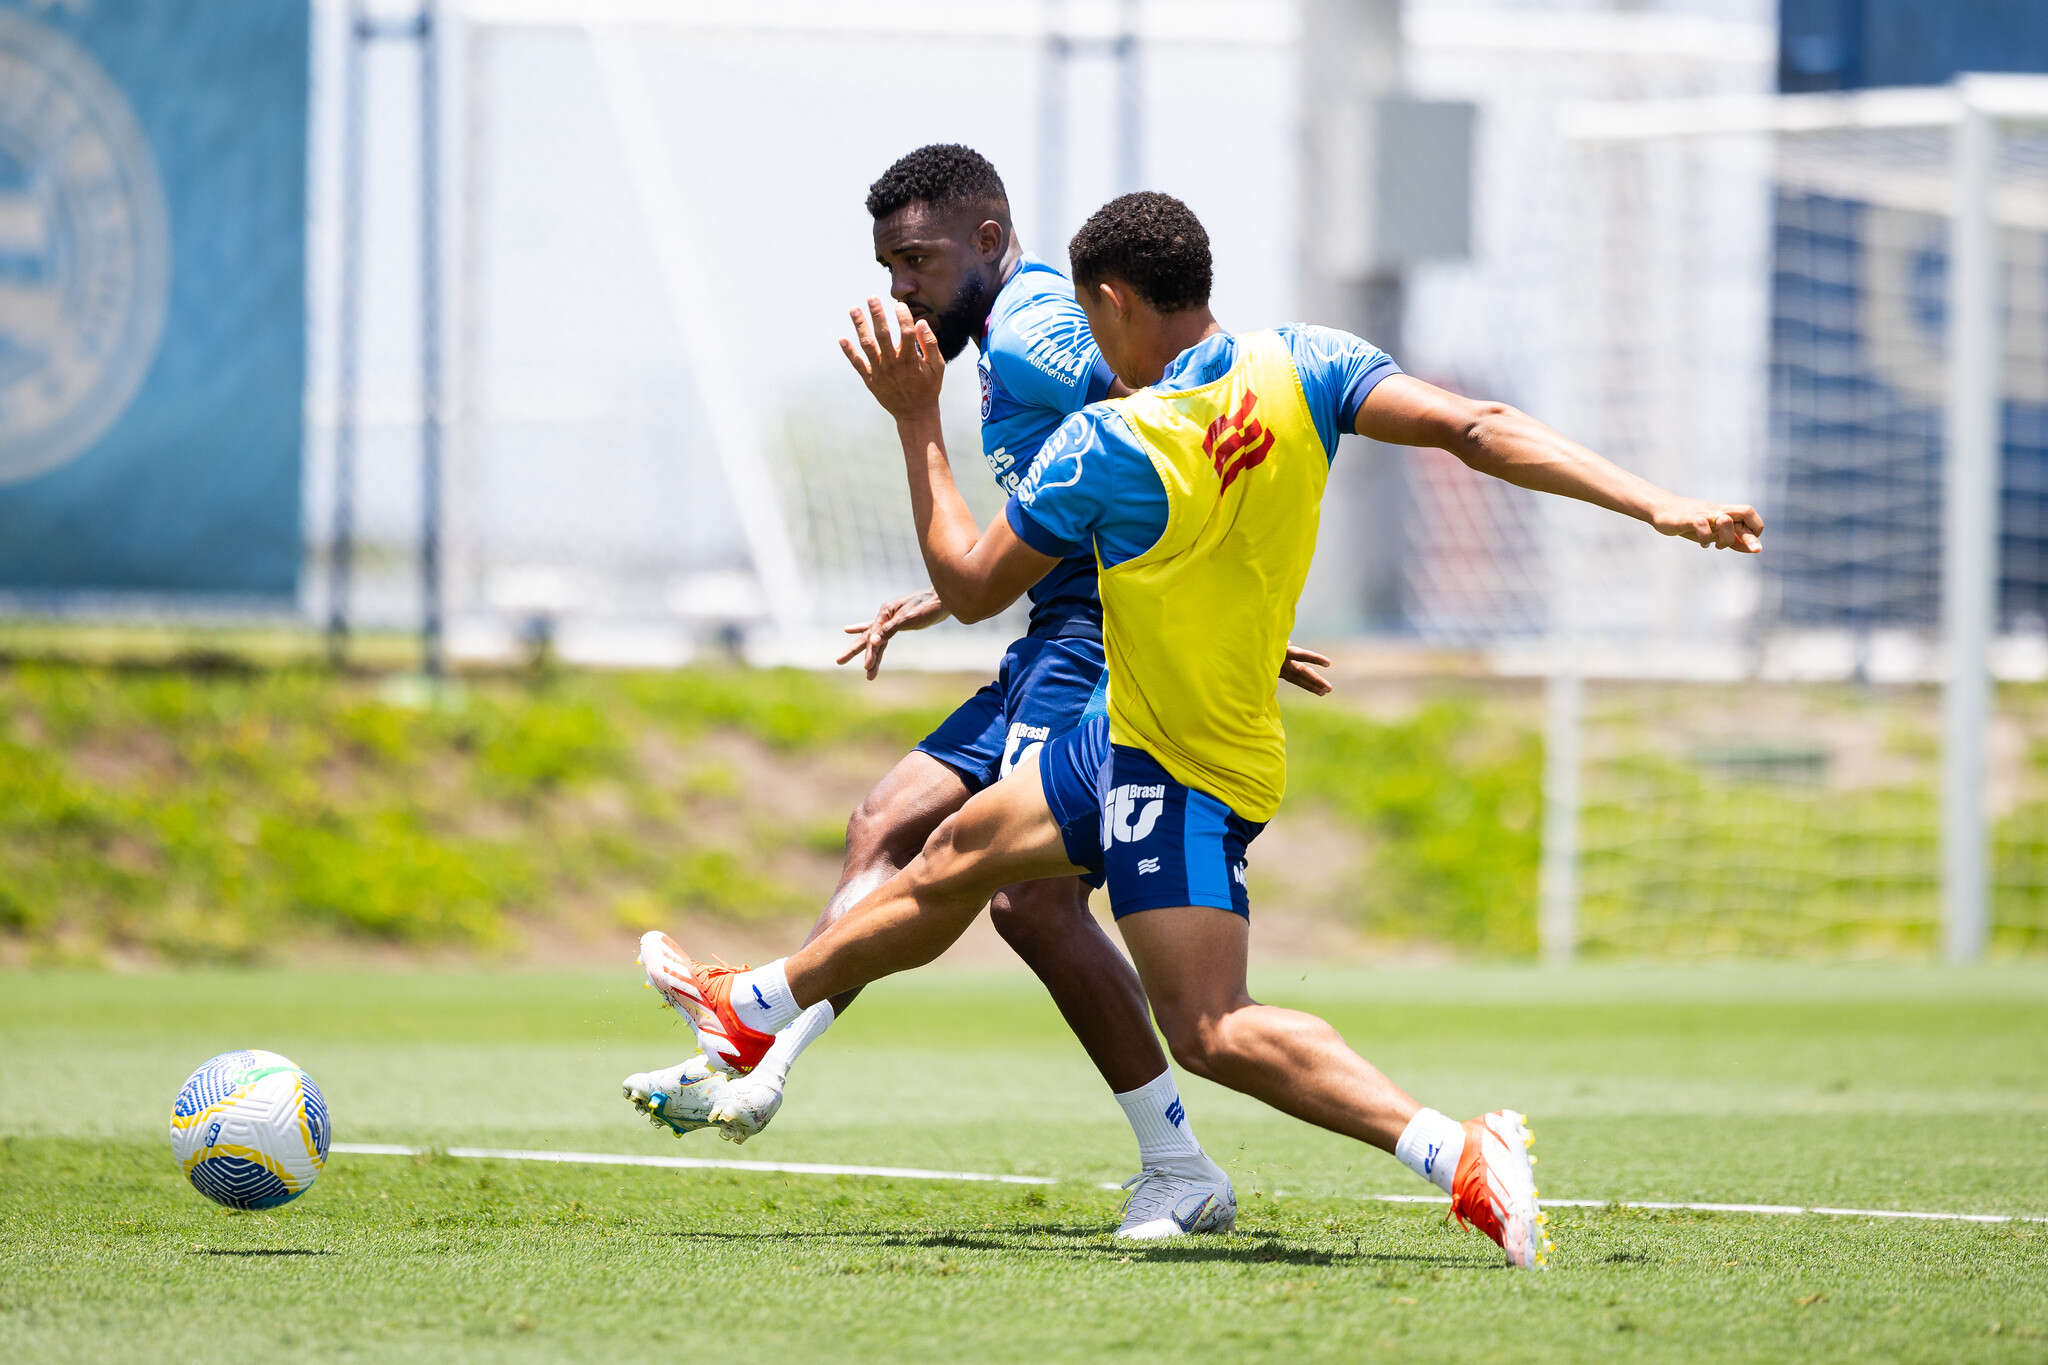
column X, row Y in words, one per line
column 84, row 250
column 1130, row 813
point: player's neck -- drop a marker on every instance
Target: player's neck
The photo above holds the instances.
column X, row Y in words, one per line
column 1013, row 257
column 1177, row 332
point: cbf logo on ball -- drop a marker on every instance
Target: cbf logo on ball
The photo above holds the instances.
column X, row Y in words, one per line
column 84, row 250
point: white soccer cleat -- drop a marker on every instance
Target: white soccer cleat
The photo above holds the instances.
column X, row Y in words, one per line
column 1494, row 1188
column 679, row 1098
column 746, row 1104
column 1167, row 1204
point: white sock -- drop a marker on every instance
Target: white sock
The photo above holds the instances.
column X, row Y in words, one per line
column 1160, row 1120
column 1430, row 1146
column 762, row 998
column 790, row 1042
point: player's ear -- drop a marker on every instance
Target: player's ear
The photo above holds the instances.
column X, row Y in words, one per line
column 988, row 239
column 1113, row 299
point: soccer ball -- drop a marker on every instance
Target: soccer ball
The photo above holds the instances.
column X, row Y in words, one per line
column 250, row 1130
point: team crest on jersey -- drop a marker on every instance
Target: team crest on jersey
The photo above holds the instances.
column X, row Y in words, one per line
column 988, row 387
column 84, row 250
column 1237, row 441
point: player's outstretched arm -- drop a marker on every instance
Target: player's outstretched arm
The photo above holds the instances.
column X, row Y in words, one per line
column 1496, row 439
column 975, row 573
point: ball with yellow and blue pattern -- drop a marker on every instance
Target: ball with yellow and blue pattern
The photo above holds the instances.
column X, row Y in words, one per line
column 250, row 1130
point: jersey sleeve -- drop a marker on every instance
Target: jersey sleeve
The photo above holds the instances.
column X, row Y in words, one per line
column 1337, row 371
column 1044, row 355
column 1063, row 497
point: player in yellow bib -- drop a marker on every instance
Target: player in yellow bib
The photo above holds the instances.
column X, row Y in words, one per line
column 1200, row 496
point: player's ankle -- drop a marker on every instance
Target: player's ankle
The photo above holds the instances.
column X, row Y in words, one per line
column 1430, row 1146
column 762, row 998
column 1159, row 1121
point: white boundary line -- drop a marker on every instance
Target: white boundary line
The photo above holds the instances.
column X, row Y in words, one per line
column 688, row 1163
column 693, row 1163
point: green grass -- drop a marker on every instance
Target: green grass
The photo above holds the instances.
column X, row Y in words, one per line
column 202, row 816
column 1877, row 1087
column 192, row 814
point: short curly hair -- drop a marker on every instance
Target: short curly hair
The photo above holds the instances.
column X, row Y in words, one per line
column 1150, row 241
column 941, row 174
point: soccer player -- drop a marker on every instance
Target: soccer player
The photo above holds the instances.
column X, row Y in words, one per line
column 1200, row 497
column 942, row 230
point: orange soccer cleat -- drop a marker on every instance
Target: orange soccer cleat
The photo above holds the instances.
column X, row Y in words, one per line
column 703, row 996
column 1494, row 1188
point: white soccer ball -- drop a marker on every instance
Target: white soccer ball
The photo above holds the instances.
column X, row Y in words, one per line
column 250, row 1130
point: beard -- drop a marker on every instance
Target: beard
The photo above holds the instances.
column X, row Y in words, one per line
column 957, row 323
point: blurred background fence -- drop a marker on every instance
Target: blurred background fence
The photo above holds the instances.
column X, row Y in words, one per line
column 516, row 323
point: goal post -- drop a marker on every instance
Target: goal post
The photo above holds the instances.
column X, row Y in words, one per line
column 1840, row 304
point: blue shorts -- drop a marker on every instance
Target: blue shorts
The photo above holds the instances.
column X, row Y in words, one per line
column 1044, row 688
column 1155, row 840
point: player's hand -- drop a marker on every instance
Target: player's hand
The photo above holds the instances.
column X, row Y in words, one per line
column 903, row 371
column 912, row 611
column 1301, row 667
column 1712, row 525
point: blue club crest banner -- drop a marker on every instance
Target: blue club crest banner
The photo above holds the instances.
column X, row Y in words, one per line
column 152, row 295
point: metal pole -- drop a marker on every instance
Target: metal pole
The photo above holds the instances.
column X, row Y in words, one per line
column 1970, row 530
column 430, row 343
column 1052, row 131
column 349, row 306
column 1130, row 109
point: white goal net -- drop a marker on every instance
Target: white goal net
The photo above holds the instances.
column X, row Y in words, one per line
column 1777, row 755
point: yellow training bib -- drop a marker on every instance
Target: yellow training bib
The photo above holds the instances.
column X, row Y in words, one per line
column 1195, row 628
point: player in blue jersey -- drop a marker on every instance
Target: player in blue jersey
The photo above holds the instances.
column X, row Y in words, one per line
column 942, row 230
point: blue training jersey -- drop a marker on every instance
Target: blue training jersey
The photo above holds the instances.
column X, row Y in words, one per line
column 1093, row 487
column 1038, row 366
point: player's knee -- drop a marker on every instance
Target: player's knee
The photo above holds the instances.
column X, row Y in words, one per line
column 945, row 860
column 1205, row 1041
column 879, row 831
column 1193, row 1039
column 1036, row 913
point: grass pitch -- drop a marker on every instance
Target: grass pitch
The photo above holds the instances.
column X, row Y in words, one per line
column 1866, row 1087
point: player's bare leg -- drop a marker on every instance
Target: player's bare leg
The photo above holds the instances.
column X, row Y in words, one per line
column 1002, row 834
column 1046, row 923
column 1001, row 837
column 1192, row 961
column 1045, row 920
column 885, row 832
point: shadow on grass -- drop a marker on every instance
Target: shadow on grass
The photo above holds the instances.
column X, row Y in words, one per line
column 259, row 1251
column 1090, row 1242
